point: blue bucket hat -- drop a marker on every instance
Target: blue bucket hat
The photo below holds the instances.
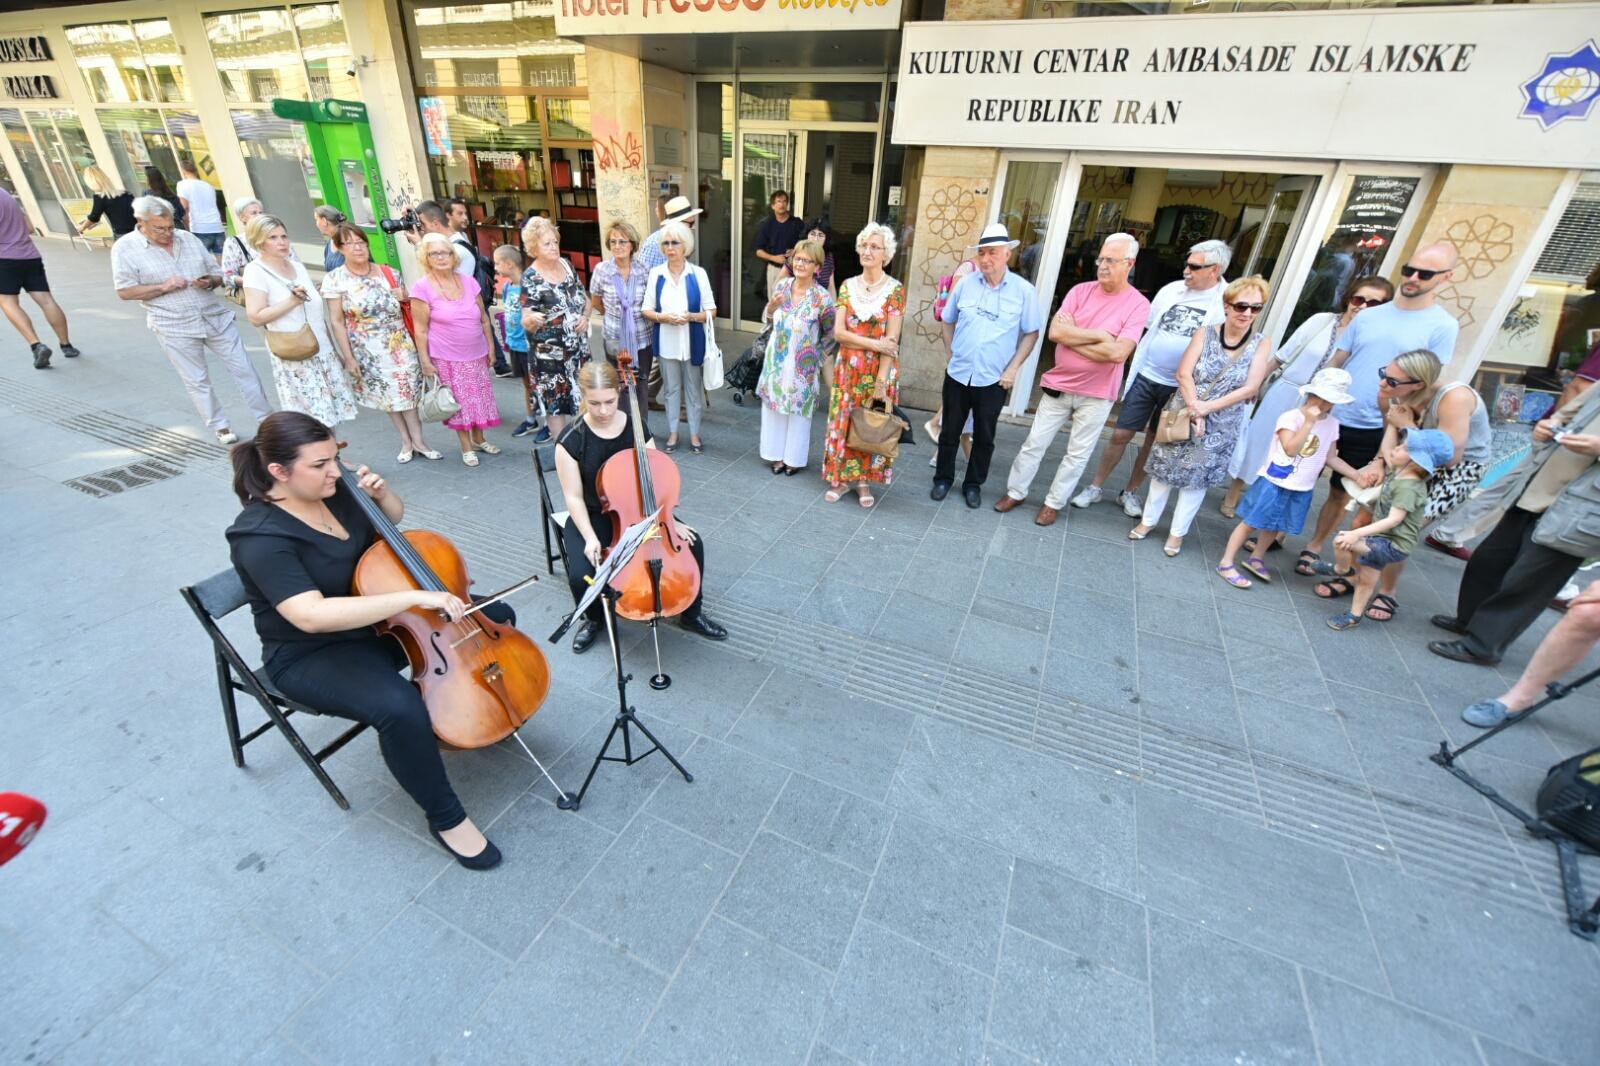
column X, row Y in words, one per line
column 1430, row 448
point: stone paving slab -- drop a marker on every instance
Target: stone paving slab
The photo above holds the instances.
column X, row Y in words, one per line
column 966, row 791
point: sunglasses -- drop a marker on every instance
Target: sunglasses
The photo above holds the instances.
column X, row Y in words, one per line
column 1246, row 309
column 1410, row 271
column 1197, row 267
column 1366, row 301
column 1395, row 383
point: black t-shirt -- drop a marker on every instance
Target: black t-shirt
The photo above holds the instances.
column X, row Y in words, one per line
column 117, row 211
column 279, row 556
column 779, row 238
column 591, row 452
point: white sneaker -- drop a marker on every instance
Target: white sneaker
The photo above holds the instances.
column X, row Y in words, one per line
column 1088, row 497
column 227, row 436
column 1132, row 505
column 933, row 460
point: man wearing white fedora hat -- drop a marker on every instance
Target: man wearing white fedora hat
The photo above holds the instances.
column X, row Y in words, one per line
column 650, row 254
column 990, row 325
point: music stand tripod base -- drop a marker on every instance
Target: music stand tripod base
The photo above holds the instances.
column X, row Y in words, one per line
column 624, row 720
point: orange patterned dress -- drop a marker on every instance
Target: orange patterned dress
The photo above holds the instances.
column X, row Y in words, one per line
column 855, row 379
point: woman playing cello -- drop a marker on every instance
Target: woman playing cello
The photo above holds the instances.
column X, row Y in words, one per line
column 296, row 546
column 605, row 430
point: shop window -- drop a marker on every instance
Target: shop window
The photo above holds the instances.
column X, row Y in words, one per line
column 163, row 61
column 256, row 56
column 802, row 101
column 1025, row 201
column 457, row 45
column 569, row 120
column 713, row 188
column 76, row 144
column 108, row 54
column 281, row 170
column 35, row 171
column 138, row 139
column 1066, row 9
column 326, row 51
column 58, row 161
column 490, row 157
column 1373, row 208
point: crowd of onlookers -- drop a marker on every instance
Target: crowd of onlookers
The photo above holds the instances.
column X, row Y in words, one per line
column 1360, row 392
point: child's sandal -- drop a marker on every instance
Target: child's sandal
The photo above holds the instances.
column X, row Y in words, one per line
column 1257, row 566
column 1337, row 587
column 1341, row 622
column 1231, row 575
column 1322, row 568
column 1304, row 564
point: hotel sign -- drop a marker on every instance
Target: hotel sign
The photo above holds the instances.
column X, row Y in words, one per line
column 591, row 18
column 1507, row 85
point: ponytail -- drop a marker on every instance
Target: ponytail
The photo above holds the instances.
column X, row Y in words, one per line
column 279, row 439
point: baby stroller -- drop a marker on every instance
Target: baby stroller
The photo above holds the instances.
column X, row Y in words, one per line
column 743, row 375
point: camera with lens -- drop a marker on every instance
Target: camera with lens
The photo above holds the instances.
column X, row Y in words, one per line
column 408, row 220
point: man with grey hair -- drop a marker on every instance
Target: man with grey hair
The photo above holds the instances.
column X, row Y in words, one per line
column 1095, row 331
column 1180, row 308
column 178, row 281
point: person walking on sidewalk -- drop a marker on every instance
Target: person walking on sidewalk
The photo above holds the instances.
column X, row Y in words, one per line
column 1540, row 543
column 1179, row 309
column 1095, row 331
column 990, row 325
column 22, row 267
column 178, row 281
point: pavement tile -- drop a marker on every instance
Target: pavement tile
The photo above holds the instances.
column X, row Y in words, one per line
column 898, row 1002
column 617, row 791
column 946, row 892
column 998, row 648
column 1249, row 883
column 838, row 824
column 841, row 600
column 728, row 798
column 1093, row 684
column 1022, row 583
column 424, row 1006
column 1098, row 565
column 738, row 998
column 1355, row 1027
column 1094, row 625
column 1106, row 930
column 920, row 623
column 1019, row 802
column 826, row 732
column 1215, row 1000
column 1300, row 734
column 652, row 891
column 797, row 898
column 1059, row 1007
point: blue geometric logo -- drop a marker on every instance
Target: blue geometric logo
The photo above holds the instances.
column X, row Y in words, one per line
column 1567, row 87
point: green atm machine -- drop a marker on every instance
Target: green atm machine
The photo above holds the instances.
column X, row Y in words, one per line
column 346, row 164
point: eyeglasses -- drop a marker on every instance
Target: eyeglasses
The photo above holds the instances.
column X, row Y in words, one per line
column 618, row 242
column 1395, row 383
column 672, row 244
column 1246, row 309
column 1196, row 267
column 1410, row 271
column 800, row 259
column 1107, row 260
column 1366, row 301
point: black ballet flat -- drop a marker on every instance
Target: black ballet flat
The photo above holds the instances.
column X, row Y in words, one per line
column 704, row 626
column 791, row 471
column 487, row 859
column 588, row 630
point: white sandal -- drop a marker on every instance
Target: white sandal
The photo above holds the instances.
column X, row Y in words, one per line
column 470, row 458
column 429, row 453
column 405, row 456
column 487, row 449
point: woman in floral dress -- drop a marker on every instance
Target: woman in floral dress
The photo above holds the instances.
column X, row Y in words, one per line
column 364, row 301
column 801, row 312
column 867, row 329
column 555, row 314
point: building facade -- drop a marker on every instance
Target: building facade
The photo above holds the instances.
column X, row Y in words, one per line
column 1320, row 143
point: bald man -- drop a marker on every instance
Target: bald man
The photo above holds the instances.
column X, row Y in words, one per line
column 1412, row 320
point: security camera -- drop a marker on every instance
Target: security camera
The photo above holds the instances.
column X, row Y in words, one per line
column 350, row 71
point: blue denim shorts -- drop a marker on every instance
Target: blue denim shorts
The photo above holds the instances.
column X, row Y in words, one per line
column 1381, row 552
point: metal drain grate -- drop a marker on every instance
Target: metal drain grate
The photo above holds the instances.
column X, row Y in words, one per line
column 122, row 478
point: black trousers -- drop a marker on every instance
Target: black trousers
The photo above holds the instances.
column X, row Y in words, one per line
column 579, row 568
column 1508, row 581
column 983, row 402
column 361, row 680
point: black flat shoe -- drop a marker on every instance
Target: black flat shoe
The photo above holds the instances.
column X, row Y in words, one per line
column 486, row 859
column 1454, row 649
column 704, row 626
column 1448, row 623
column 973, row 497
column 941, row 489
column 791, row 471
column 584, row 637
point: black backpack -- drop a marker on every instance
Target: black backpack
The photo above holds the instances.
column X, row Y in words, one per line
column 1569, row 799
column 482, row 272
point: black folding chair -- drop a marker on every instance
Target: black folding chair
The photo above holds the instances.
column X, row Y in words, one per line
column 215, row 598
column 555, row 522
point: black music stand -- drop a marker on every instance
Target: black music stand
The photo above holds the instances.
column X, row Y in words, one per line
column 1583, row 918
column 625, row 718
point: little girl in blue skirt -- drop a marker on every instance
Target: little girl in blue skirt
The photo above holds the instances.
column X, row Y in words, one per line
column 1279, row 499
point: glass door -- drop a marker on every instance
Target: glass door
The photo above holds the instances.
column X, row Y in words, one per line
column 35, row 171
column 836, row 168
column 1279, row 228
column 714, row 185
column 767, row 163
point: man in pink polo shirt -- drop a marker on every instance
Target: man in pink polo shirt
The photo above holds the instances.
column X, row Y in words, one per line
column 1095, row 331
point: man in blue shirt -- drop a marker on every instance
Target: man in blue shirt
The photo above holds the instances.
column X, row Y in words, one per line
column 1412, row 320
column 990, row 325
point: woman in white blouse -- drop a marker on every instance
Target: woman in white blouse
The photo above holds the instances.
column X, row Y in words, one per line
column 678, row 298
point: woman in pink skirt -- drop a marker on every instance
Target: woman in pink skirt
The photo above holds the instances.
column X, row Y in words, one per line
column 454, row 342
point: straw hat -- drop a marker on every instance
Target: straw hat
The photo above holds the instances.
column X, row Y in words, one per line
column 679, row 210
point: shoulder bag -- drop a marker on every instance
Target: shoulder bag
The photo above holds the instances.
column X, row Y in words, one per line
column 875, row 428
column 292, row 346
column 405, row 304
column 712, row 372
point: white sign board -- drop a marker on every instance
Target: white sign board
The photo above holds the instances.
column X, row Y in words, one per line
column 591, row 18
column 1502, row 85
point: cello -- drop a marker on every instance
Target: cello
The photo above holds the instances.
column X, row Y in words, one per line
column 662, row 579
column 480, row 679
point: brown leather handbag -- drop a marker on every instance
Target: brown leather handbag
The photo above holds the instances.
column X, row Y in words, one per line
column 1176, row 425
column 876, row 429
